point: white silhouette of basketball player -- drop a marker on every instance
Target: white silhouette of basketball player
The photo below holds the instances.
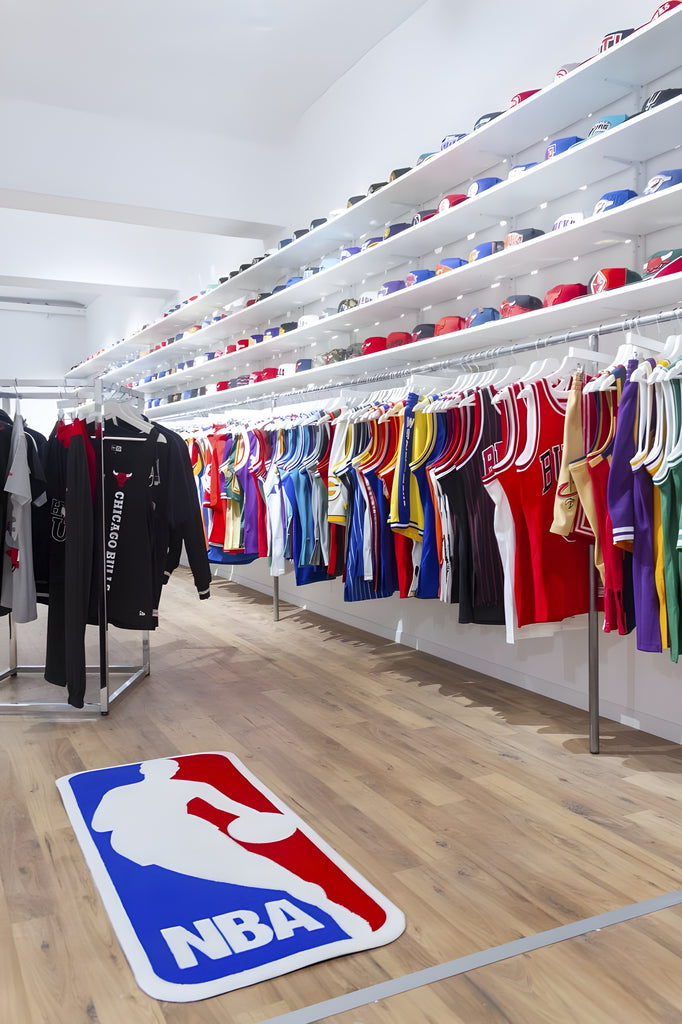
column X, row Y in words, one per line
column 150, row 824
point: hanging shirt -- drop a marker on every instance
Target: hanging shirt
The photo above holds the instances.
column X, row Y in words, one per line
column 18, row 583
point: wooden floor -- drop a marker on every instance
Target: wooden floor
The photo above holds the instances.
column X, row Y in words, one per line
column 473, row 805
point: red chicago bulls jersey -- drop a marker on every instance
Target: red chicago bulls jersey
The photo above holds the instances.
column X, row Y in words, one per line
column 558, row 568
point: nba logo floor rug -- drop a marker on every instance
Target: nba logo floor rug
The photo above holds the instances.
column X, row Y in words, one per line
column 210, row 881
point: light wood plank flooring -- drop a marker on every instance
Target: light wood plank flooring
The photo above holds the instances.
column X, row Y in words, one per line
column 473, row 805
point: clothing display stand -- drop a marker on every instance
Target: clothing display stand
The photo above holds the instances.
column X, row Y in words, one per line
column 473, row 360
column 68, row 397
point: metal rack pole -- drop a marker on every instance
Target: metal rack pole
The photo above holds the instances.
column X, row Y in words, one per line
column 593, row 632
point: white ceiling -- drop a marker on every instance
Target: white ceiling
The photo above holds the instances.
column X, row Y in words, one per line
column 246, row 68
column 241, row 69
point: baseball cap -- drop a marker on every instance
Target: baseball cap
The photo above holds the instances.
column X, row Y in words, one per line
column 367, row 297
column 611, row 277
column 376, row 186
column 243, row 266
column 663, row 263
column 567, row 220
column 614, row 37
column 346, row 304
column 423, row 157
column 397, row 338
column 449, row 324
column 271, row 332
column 485, row 249
column 355, row 199
column 486, row 118
column 417, row 276
column 290, row 325
column 257, row 338
column 451, row 200
column 310, row 271
column 564, row 70
column 420, row 331
column 309, row 319
column 604, row 124
column 317, row 222
column 261, row 296
column 515, row 305
column 388, row 287
column 560, row 146
column 292, row 280
column 423, row 215
column 663, row 9
column 368, row 243
column 451, row 139
column 521, row 235
column 329, row 261
column 482, row 315
column 563, row 293
column 449, row 263
column 657, row 98
column 610, row 200
column 374, row 344
column 300, row 232
column 277, row 288
column 351, row 250
column 482, row 184
column 395, row 229
column 519, row 169
column 282, row 243
column 398, row 173
column 521, row 96
column 663, row 180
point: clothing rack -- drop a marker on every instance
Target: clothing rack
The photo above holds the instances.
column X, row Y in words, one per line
column 68, row 397
column 472, row 360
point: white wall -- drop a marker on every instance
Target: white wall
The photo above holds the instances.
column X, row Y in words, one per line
column 437, row 73
column 40, row 345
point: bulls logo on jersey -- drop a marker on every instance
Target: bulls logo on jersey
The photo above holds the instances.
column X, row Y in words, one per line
column 550, row 462
column 490, row 456
column 121, row 478
column 58, row 518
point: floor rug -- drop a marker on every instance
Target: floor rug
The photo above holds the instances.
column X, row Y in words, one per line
column 210, row 881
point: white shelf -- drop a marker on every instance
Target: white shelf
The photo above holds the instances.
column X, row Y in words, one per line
column 623, row 303
column 645, row 56
column 594, row 235
column 550, row 180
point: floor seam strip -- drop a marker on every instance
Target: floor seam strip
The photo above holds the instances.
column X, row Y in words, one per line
column 450, row 969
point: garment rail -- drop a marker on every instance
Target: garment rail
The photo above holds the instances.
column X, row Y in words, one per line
column 473, row 360
column 67, row 396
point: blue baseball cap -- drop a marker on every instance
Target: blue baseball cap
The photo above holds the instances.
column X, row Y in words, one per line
column 482, row 315
column 610, row 200
column 328, row 261
column 450, row 140
column 292, row 280
column 282, row 242
column 372, row 241
column 560, row 146
column 482, row 184
column 485, row 249
column 417, row 276
column 351, row 250
column 663, row 180
column 449, row 263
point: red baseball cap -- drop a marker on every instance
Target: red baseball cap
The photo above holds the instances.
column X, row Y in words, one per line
column 374, row 344
column 563, row 293
column 447, row 202
column 611, row 277
column 397, row 338
column 521, row 96
column 448, row 324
